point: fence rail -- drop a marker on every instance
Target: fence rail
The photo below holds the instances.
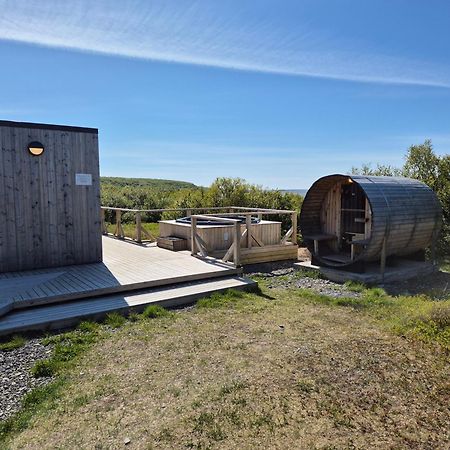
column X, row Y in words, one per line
column 222, row 214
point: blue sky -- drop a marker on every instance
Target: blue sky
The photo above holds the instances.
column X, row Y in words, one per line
column 279, row 92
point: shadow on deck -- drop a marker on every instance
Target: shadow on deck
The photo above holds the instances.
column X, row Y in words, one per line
column 125, row 268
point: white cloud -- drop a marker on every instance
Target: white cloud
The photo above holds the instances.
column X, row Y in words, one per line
column 203, row 32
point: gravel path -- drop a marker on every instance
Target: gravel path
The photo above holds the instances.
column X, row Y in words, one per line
column 282, row 274
column 15, row 377
column 287, row 277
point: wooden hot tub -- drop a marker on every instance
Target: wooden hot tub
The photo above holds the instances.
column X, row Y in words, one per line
column 218, row 238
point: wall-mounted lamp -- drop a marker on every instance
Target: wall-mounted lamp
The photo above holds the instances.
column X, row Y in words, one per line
column 36, row 148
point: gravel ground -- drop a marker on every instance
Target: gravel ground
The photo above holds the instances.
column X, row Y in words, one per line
column 283, row 276
column 15, row 377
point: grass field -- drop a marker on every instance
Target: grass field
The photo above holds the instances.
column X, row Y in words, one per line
column 130, row 229
column 281, row 368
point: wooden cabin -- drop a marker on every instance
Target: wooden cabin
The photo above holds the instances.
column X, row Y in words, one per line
column 349, row 220
column 50, row 196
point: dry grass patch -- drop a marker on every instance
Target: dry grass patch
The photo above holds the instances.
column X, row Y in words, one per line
column 247, row 371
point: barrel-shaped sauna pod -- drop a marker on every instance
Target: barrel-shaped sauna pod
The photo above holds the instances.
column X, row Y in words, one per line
column 349, row 220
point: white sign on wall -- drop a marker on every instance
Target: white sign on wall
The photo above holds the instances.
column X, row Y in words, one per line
column 83, row 179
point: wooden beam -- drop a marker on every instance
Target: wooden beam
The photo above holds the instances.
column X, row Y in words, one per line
column 237, row 244
column 104, row 227
column 294, row 228
column 193, row 234
column 202, row 243
column 248, row 227
column 258, row 242
column 199, row 241
column 138, row 228
column 119, row 229
column 287, row 235
column 228, row 253
column 148, row 234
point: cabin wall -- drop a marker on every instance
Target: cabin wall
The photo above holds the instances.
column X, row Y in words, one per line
column 46, row 219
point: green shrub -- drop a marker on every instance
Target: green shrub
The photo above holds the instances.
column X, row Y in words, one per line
column 44, row 368
column 354, row 286
column 440, row 315
column 221, row 300
column 115, row 320
column 155, row 311
column 66, row 347
column 88, row 327
column 15, row 342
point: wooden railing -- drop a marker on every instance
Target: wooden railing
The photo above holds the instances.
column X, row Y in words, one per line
column 220, row 214
column 197, row 244
column 140, row 231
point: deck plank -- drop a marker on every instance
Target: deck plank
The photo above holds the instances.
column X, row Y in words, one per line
column 124, row 266
column 61, row 315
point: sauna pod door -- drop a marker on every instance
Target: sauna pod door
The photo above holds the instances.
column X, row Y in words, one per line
column 346, row 214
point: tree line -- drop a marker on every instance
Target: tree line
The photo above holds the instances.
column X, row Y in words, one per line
column 222, row 192
column 423, row 164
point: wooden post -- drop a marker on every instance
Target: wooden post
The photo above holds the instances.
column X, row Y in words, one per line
column 138, row 228
column 383, row 259
column 104, row 229
column 316, row 247
column 294, row 228
column 188, row 212
column 119, row 230
column 237, row 244
column 260, row 216
column 433, row 248
column 248, row 225
column 193, row 234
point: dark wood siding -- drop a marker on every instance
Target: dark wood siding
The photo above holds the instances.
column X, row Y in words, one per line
column 405, row 212
column 47, row 220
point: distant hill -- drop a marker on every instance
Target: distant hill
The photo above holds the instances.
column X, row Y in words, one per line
column 301, row 192
column 152, row 183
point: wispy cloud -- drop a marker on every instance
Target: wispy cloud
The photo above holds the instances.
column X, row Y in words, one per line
column 218, row 34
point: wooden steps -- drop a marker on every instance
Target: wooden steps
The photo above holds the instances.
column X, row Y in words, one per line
column 57, row 316
column 338, row 257
column 126, row 267
column 269, row 253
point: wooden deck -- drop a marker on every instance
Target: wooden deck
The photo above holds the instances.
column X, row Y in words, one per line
column 125, row 267
column 62, row 315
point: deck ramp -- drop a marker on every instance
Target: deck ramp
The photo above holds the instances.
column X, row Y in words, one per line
column 58, row 316
column 125, row 267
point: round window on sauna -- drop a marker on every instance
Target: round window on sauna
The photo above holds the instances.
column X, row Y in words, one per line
column 36, row 148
